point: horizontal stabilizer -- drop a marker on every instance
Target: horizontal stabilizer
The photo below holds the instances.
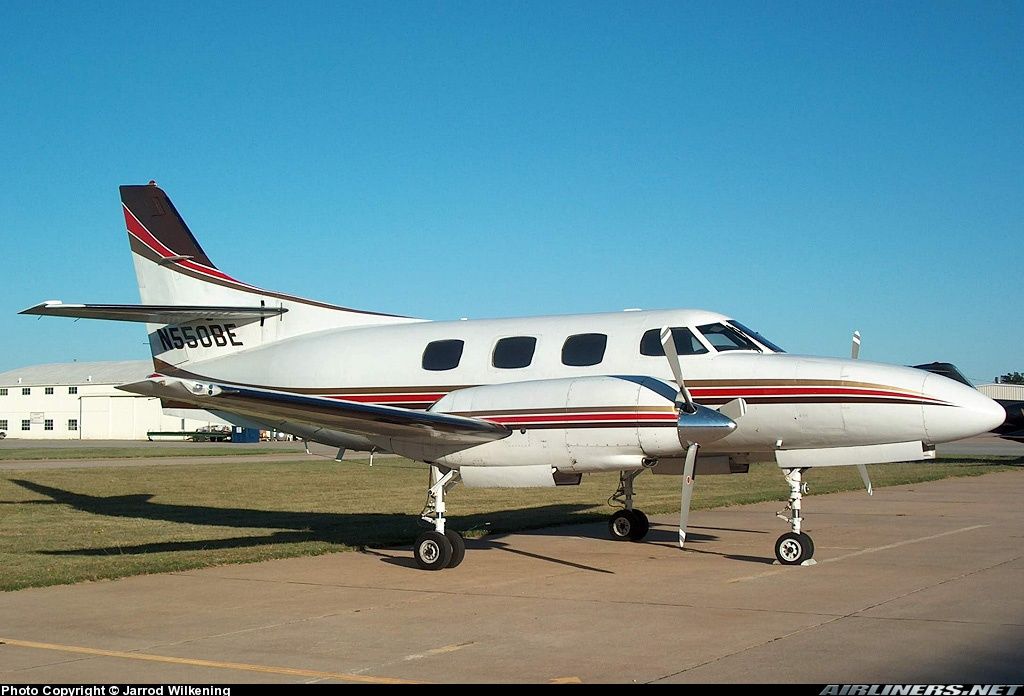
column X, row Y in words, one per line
column 151, row 314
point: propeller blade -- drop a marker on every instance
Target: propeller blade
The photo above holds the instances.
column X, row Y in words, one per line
column 865, row 478
column 855, row 348
column 669, row 344
column 687, row 492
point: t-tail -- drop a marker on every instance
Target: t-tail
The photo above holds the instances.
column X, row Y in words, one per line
column 193, row 310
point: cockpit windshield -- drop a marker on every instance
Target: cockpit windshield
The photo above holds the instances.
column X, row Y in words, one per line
column 724, row 337
column 756, row 336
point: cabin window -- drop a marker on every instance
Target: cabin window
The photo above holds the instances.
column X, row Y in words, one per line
column 443, row 355
column 513, row 352
column 584, row 349
column 686, row 342
column 725, row 338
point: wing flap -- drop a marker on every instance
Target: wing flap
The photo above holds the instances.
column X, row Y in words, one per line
column 151, row 314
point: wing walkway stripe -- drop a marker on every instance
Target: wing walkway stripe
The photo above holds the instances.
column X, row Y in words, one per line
column 240, row 666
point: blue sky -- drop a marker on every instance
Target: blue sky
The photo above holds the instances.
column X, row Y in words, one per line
column 807, row 168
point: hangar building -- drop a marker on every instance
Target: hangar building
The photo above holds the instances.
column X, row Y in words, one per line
column 1003, row 392
column 79, row 401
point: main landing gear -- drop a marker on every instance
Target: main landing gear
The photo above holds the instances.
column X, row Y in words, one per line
column 439, row 548
column 627, row 523
column 795, row 547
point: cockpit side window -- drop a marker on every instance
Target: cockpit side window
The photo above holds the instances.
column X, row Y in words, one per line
column 686, row 342
column 756, row 336
column 724, row 337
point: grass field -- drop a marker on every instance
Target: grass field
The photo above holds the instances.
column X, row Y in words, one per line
column 68, row 525
column 27, row 454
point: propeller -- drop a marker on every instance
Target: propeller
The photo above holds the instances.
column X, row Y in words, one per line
column 855, row 348
column 865, row 478
column 669, row 344
column 697, row 425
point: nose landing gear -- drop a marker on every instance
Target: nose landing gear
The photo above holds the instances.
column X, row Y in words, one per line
column 795, row 547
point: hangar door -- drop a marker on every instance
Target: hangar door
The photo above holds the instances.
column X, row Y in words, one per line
column 108, row 418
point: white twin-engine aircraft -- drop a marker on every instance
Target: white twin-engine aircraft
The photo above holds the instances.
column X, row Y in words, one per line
column 525, row 402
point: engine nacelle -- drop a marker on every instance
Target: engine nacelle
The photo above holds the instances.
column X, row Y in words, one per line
column 575, row 424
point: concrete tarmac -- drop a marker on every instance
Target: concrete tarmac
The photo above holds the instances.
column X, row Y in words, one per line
column 919, row 584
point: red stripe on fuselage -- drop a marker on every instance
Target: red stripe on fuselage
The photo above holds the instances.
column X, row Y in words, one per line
column 581, row 417
column 804, row 391
column 388, row 398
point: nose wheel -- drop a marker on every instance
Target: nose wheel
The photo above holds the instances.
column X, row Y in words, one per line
column 794, row 549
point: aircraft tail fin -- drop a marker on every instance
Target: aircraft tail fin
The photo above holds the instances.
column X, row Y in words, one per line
column 173, row 271
column 157, row 231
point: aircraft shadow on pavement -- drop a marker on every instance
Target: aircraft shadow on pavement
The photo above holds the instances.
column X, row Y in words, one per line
column 350, row 529
column 360, row 530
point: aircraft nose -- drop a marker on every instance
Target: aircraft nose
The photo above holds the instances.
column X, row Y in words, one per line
column 967, row 412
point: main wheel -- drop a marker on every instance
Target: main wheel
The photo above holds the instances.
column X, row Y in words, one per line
column 433, row 551
column 622, row 524
column 793, row 549
column 641, row 526
column 458, row 547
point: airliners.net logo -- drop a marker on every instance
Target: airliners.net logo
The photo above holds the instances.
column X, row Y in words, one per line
column 921, row 690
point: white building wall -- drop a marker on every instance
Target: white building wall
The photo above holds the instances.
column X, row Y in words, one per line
column 95, row 412
column 1008, row 392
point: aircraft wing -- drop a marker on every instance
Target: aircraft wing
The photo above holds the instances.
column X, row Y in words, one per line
column 389, row 425
column 151, row 314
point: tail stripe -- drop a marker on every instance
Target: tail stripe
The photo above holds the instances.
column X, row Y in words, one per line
column 139, row 231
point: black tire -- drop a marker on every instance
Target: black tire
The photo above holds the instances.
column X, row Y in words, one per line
column 641, row 527
column 432, row 551
column 622, row 524
column 809, row 544
column 792, row 549
column 458, row 547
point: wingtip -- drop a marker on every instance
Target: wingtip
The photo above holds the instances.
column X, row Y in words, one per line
column 38, row 308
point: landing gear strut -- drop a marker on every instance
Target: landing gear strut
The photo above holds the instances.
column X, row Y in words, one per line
column 439, row 548
column 795, row 547
column 627, row 523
